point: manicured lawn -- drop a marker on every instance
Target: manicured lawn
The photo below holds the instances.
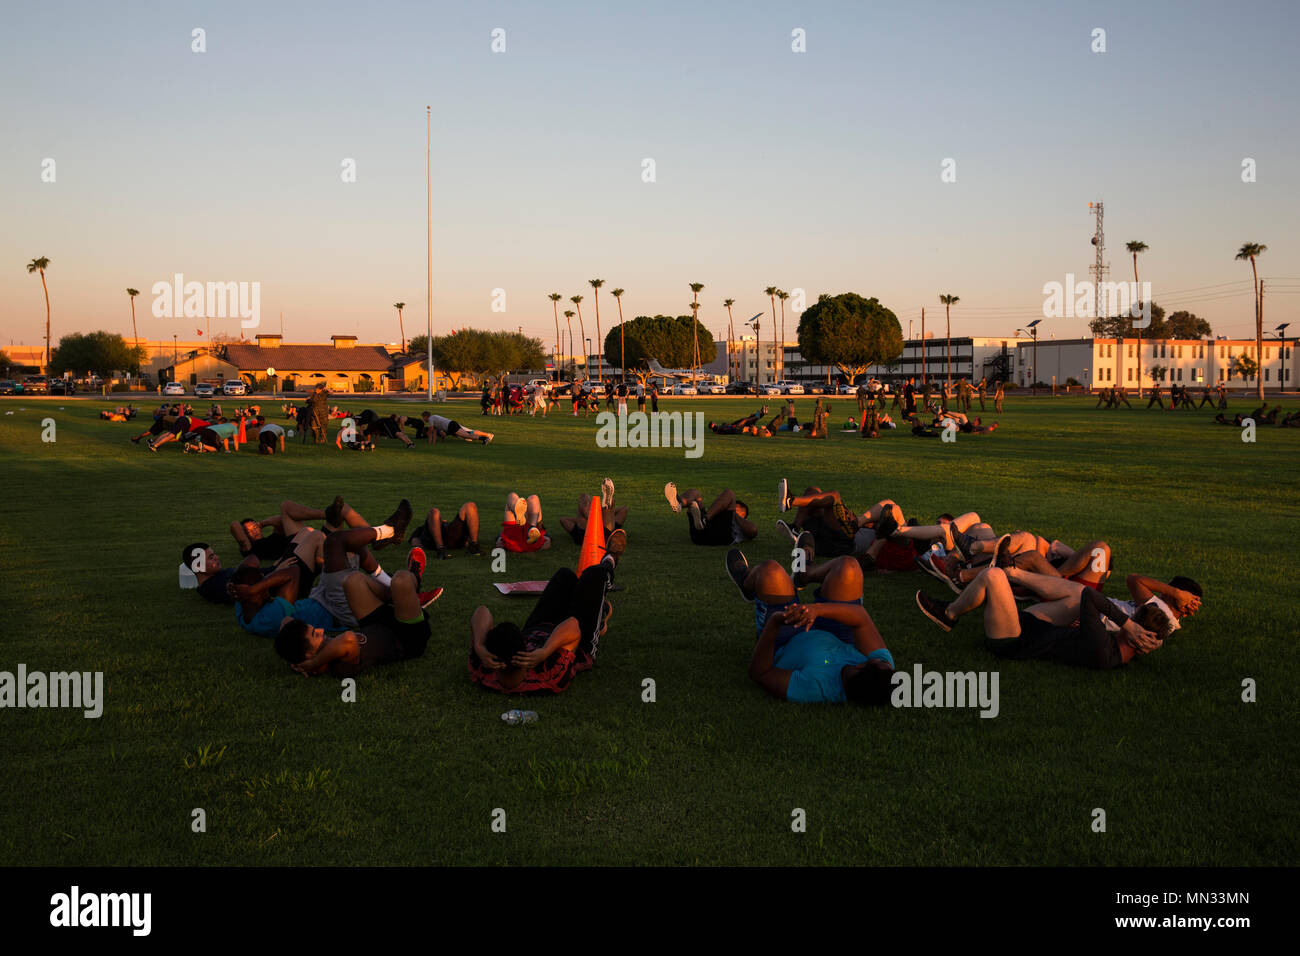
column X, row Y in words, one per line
column 201, row 714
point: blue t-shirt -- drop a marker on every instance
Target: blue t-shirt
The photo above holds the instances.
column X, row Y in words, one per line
column 266, row 622
column 816, row 659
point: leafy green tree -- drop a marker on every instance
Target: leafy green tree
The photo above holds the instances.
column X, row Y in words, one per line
column 1245, row 366
column 669, row 341
column 1186, row 325
column 850, row 332
column 399, row 306
column 95, row 352
column 5, row 361
column 1117, row 326
column 948, row 301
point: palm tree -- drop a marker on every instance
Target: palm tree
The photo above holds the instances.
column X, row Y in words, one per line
column 1251, row 251
column 573, row 368
column 731, row 333
column 40, row 265
column 695, row 311
column 134, row 334
column 780, row 360
column 555, row 297
column 771, row 292
column 948, row 301
column 582, row 330
column 695, row 324
column 1135, row 247
column 622, row 348
column 399, row 306
column 600, row 345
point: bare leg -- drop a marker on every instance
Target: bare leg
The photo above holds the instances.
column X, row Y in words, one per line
column 770, row 583
column 992, row 591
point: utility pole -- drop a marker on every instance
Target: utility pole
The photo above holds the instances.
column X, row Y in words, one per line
column 428, row 174
column 922, row 345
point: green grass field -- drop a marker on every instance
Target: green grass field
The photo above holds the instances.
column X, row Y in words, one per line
column 201, row 714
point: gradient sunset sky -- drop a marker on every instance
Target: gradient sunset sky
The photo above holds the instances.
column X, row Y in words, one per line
column 817, row 171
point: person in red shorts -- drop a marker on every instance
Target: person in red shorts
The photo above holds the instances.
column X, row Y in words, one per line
column 523, row 531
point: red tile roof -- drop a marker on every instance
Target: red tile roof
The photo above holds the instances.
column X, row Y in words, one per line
column 309, row 358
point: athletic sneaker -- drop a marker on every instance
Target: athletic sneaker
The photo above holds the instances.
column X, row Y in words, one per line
column 398, row 521
column 521, row 511
column 670, row 492
column 697, row 518
column 965, row 544
column 487, row 439
column 616, row 544
column 443, row 555
column 428, row 597
column 473, row 549
column 534, row 533
column 787, row 530
column 607, row 493
column 807, row 545
column 783, row 496
column 416, row 561
column 737, row 570
column 928, row 563
column 887, row 525
column 935, row 610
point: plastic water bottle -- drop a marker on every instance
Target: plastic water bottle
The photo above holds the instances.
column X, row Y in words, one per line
column 513, row 717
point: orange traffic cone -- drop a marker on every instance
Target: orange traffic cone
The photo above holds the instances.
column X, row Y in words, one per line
column 593, row 540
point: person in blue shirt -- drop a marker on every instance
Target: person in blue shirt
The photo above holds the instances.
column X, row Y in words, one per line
column 829, row 651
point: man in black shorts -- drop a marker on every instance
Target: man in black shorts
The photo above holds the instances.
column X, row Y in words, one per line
column 442, row 537
column 389, row 427
column 614, row 516
column 391, row 627
column 725, row 522
column 836, row 529
column 559, row 639
column 1104, row 637
column 450, row 428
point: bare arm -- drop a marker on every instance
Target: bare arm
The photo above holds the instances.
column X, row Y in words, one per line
column 762, row 670
column 567, row 632
column 480, row 622
column 342, row 651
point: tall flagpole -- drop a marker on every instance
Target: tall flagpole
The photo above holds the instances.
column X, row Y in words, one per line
column 428, row 171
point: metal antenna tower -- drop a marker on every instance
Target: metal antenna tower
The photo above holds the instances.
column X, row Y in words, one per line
column 1100, row 269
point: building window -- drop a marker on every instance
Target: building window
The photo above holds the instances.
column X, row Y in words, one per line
column 1267, row 371
column 1222, row 350
column 1130, row 374
column 1220, row 375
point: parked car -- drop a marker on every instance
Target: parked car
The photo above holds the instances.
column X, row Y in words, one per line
column 788, row 387
column 234, row 387
column 768, row 390
column 62, row 386
column 848, row 390
column 204, row 390
column 8, row 387
column 740, row 388
column 173, row 388
column 683, row 389
column 715, row 389
column 36, row 385
column 816, row 389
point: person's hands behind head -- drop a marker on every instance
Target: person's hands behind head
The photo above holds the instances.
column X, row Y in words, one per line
column 1185, row 603
column 1139, row 638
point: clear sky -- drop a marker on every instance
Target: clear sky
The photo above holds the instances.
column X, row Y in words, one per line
column 817, row 170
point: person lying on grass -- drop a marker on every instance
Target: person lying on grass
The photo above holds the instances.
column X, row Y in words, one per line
column 826, row 652
column 522, row 531
column 262, row 603
column 559, row 638
column 1072, row 624
column 725, row 522
column 391, row 625
column 614, row 517
column 442, row 537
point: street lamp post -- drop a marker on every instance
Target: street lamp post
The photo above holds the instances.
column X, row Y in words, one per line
column 1281, row 334
column 1033, row 371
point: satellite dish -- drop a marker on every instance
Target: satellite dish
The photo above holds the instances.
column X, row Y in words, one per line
column 270, row 371
column 1094, row 240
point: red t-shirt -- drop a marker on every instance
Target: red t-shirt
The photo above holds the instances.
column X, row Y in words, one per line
column 514, row 537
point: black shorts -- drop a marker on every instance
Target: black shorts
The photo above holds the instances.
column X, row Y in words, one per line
column 454, row 533
column 1043, row 640
column 210, row 438
column 719, row 531
column 388, row 640
column 829, row 538
column 453, row 427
